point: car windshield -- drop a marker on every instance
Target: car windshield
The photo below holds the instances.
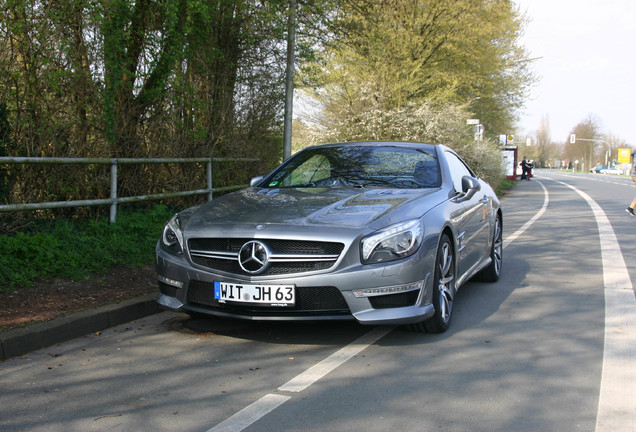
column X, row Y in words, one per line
column 359, row 166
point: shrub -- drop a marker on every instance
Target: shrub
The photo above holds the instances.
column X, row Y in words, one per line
column 75, row 248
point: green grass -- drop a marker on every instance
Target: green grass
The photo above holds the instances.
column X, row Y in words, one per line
column 504, row 186
column 77, row 248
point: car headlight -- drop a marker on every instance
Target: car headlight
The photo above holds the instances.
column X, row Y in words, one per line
column 395, row 242
column 172, row 236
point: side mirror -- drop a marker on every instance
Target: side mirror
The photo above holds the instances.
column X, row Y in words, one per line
column 470, row 186
column 256, row 180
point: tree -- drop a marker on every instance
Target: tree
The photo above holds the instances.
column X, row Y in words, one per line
column 396, row 52
column 582, row 149
column 146, row 78
column 416, row 70
column 613, row 144
column 544, row 141
column 142, row 41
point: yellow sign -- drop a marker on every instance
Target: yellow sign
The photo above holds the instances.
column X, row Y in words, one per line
column 624, row 155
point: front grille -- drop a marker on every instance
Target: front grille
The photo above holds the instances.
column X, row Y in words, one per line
column 286, row 256
column 310, row 300
column 394, row 300
column 277, row 246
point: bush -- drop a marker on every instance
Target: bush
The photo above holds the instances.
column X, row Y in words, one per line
column 484, row 157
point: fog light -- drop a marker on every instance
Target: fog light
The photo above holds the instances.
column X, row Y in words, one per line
column 371, row 292
column 168, row 281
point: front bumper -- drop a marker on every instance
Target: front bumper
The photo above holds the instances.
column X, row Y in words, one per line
column 390, row 294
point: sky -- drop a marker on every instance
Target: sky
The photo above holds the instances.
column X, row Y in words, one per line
column 586, row 64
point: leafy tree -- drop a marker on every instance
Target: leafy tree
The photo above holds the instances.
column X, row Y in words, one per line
column 142, row 42
column 417, row 70
column 395, row 52
column 117, row 78
column 583, row 149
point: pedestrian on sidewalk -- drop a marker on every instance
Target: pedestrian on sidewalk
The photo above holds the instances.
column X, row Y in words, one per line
column 525, row 169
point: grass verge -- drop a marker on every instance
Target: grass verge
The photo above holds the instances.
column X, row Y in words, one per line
column 75, row 248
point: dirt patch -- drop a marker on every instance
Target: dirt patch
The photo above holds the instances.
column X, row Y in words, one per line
column 50, row 299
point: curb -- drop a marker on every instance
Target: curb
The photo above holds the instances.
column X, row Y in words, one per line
column 23, row 340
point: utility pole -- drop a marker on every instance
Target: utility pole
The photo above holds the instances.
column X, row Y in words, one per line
column 289, row 79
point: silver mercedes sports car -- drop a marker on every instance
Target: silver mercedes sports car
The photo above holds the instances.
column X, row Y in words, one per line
column 379, row 232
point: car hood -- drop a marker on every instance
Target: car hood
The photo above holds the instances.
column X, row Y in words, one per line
column 345, row 207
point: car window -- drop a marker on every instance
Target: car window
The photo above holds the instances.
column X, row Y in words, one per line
column 314, row 169
column 360, row 166
column 458, row 169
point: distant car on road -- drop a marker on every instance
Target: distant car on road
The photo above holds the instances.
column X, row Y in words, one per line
column 383, row 233
column 611, row 170
column 604, row 169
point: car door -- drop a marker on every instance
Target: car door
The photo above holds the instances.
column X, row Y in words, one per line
column 471, row 219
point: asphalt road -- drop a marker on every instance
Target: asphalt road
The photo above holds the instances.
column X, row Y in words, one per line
column 537, row 351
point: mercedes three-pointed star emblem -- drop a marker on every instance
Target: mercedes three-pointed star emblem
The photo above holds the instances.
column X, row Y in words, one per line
column 254, row 257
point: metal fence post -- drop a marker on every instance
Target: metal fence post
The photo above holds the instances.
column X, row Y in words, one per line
column 210, row 179
column 113, row 191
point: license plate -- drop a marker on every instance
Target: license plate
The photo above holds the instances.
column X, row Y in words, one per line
column 270, row 295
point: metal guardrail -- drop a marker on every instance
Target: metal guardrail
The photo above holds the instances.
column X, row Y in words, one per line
column 114, row 200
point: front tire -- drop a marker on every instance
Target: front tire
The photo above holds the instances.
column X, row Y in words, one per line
column 444, row 277
column 492, row 272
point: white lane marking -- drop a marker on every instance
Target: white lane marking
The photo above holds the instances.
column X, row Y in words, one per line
column 250, row 413
column 617, row 398
column 317, row 371
column 270, row 402
column 520, row 231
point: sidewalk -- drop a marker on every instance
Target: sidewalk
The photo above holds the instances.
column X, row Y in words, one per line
column 21, row 341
